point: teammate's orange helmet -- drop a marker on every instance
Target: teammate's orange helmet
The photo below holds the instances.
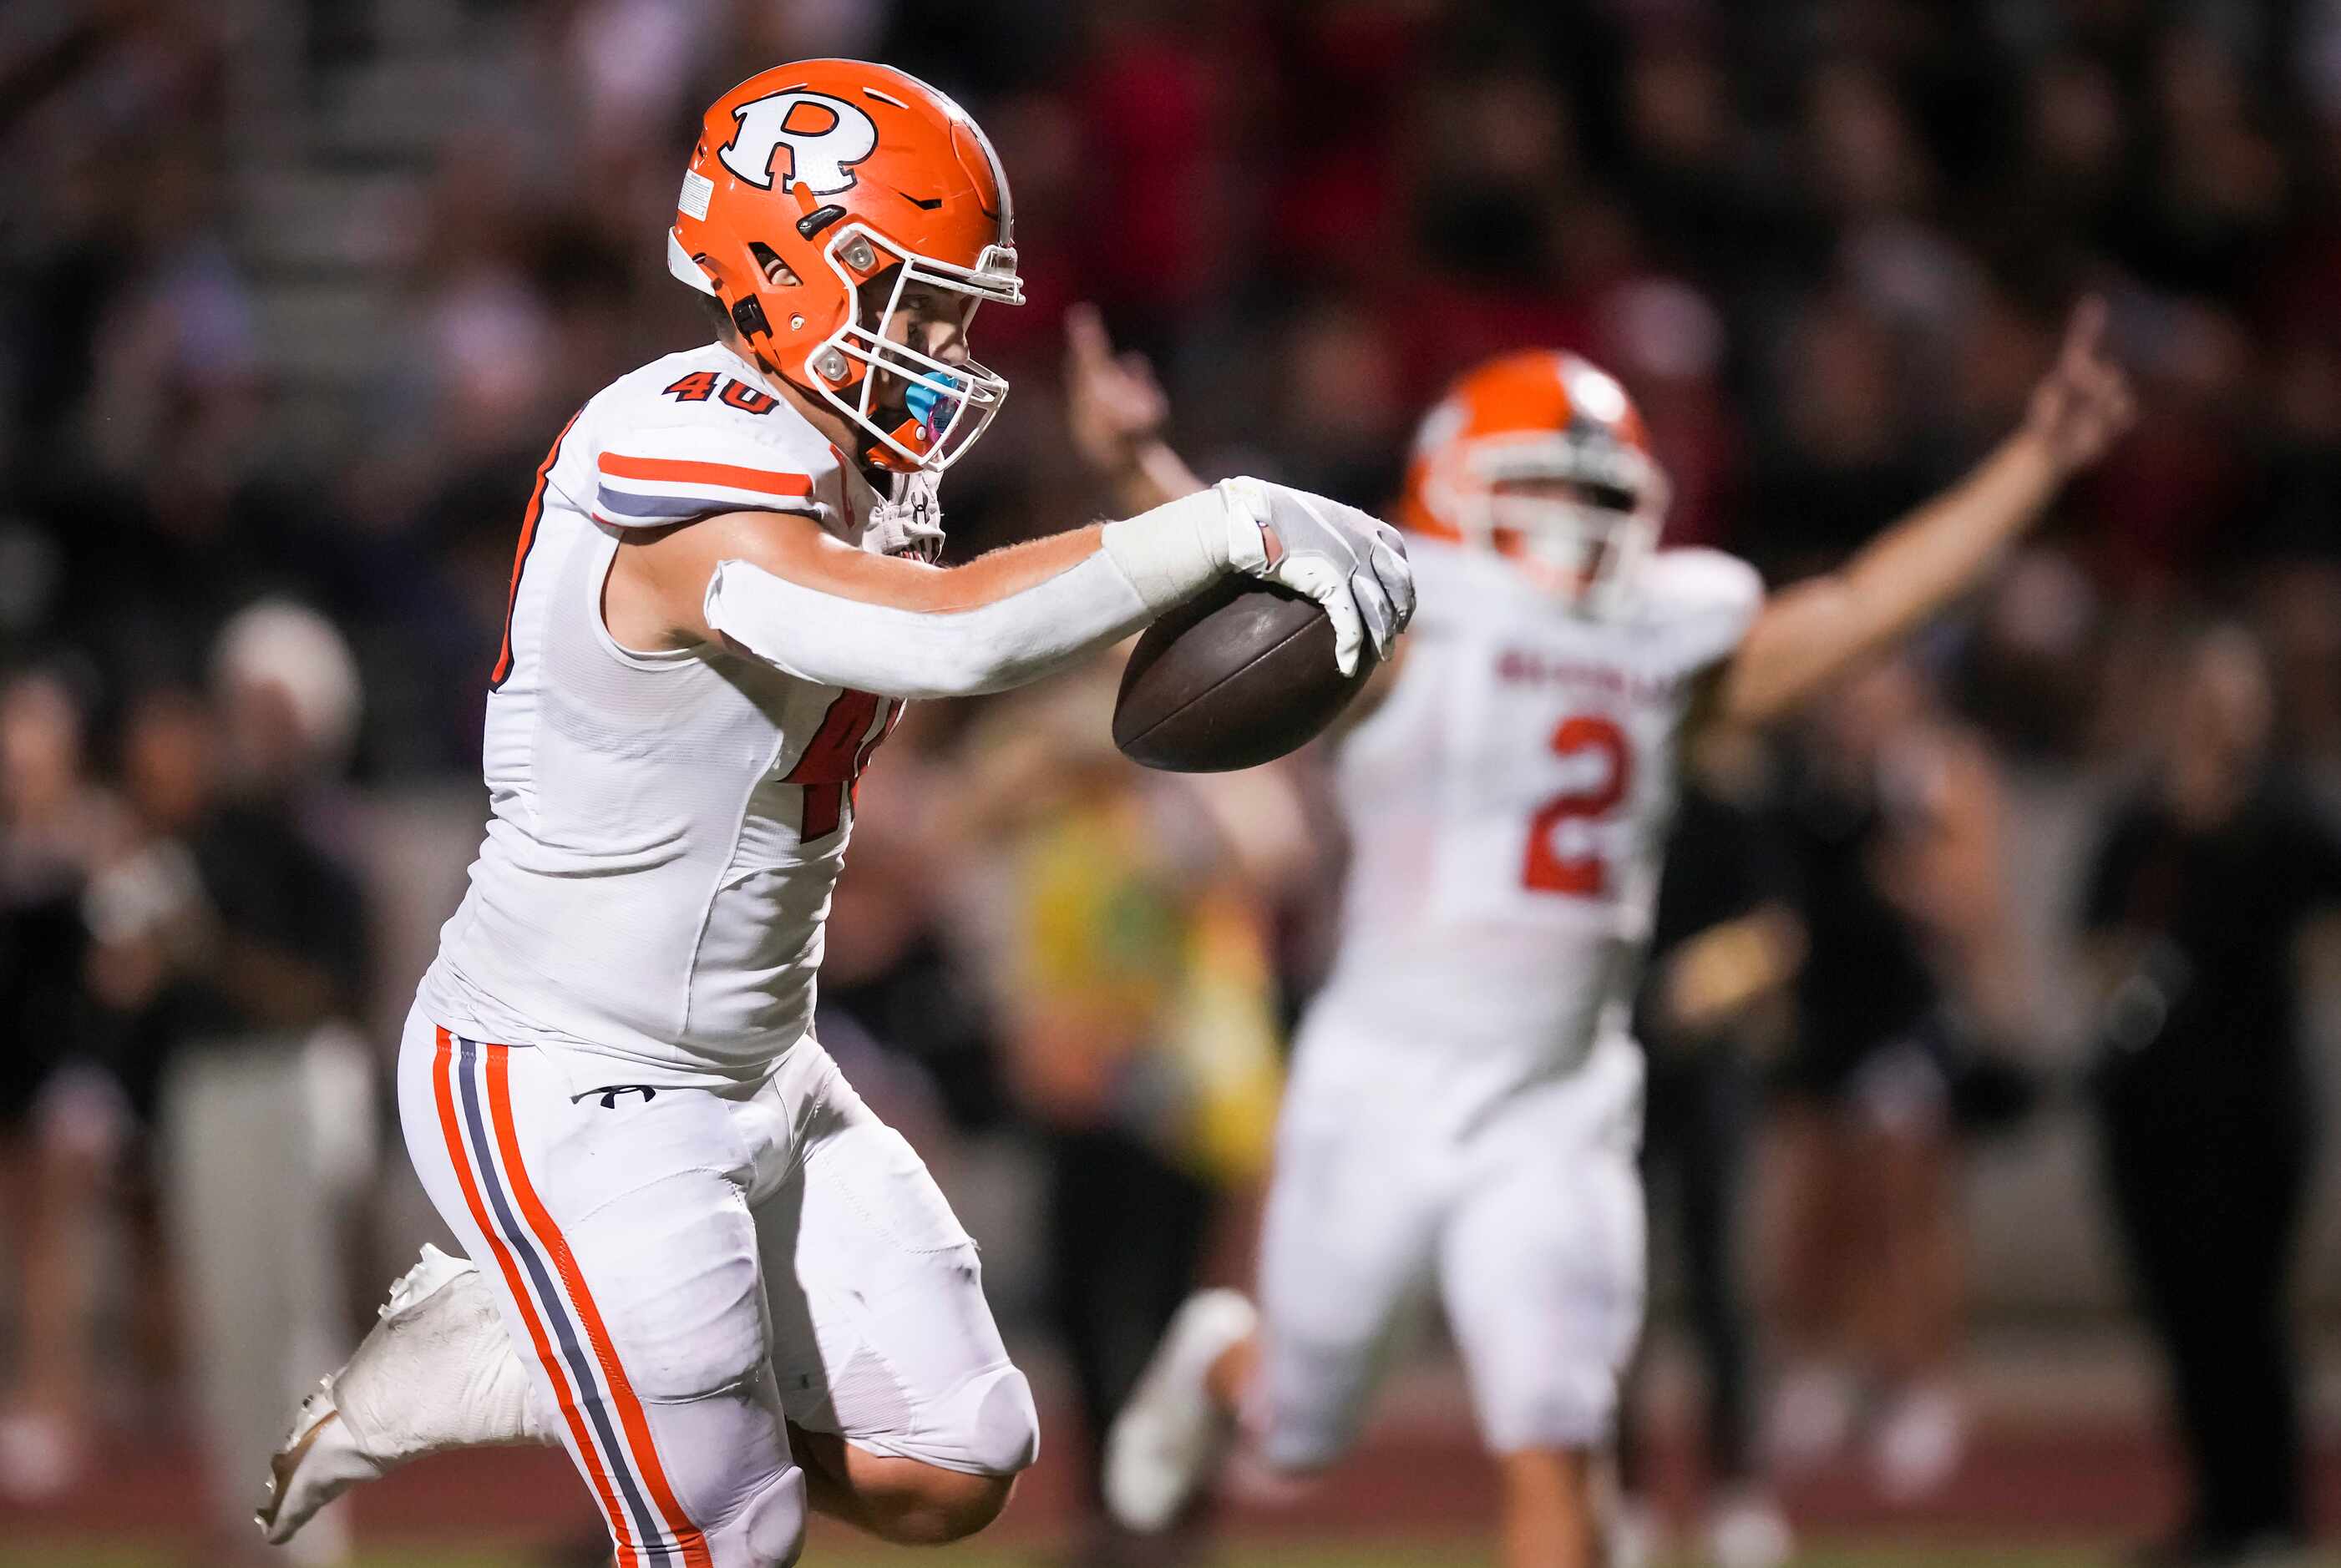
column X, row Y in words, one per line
column 860, row 181
column 1541, row 457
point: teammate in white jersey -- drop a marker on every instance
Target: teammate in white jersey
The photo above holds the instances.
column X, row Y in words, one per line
column 1465, row 1101
column 702, row 1264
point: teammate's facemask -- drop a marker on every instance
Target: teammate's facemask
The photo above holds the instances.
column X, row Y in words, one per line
column 1577, row 517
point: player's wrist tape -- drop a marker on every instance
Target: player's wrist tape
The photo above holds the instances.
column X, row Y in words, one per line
column 1248, row 525
column 1180, row 548
column 918, row 653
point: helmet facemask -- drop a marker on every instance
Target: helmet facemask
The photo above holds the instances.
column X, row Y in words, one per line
column 1578, row 515
column 943, row 406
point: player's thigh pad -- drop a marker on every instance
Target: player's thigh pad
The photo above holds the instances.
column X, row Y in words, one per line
column 1346, row 1259
column 881, row 1334
column 1541, row 1270
column 619, row 1238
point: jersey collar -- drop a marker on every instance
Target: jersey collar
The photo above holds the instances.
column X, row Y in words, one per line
column 750, row 371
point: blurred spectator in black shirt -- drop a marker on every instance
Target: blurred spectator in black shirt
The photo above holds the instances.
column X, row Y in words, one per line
column 60, row 1119
column 236, row 933
column 1724, row 951
column 1893, row 823
column 2208, row 885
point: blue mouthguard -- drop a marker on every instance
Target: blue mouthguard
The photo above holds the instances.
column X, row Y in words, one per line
column 928, row 404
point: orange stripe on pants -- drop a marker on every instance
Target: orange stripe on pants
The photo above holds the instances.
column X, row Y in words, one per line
column 442, row 1084
column 555, row 1246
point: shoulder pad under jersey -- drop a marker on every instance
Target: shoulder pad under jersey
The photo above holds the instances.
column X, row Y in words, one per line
column 688, row 435
column 1705, row 598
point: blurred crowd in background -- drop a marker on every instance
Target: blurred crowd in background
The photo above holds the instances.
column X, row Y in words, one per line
column 294, row 292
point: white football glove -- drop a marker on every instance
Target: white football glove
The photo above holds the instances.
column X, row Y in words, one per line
column 1352, row 564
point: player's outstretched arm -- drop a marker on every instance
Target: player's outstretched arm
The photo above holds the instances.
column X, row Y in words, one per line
column 779, row 587
column 1818, row 630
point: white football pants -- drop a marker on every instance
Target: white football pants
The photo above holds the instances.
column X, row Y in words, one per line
column 684, row 1270
column 1525, row 1224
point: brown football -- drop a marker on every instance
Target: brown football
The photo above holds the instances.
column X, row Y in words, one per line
column 1237, row 677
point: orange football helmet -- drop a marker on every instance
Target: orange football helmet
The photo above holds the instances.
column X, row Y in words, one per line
column 862, row 181
column 1541, row 457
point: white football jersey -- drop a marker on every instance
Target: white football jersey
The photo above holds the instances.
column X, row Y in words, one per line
column 665, row 827
column 1508, row 807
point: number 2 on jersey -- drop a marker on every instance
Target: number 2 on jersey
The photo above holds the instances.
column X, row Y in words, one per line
column 1588, row 742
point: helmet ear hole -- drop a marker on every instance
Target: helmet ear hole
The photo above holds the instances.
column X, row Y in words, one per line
column 776, row 272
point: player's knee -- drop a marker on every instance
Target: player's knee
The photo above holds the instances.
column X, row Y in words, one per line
column 987, row 1427
column 941, row 1506
column 765, row 1531
column 1572, row 1416
column 1001, row 1430
column 974, row 1504
column 959, row 1474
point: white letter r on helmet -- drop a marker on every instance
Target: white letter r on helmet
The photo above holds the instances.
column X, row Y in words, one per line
column 825, row 137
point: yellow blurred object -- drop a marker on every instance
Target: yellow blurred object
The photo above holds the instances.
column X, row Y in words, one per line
column 1157, row 957
column 1227, row 1036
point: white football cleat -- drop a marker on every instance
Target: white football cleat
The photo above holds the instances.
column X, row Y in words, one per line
column 437, row 1372
column 1172, row 1438
column 318, row 1462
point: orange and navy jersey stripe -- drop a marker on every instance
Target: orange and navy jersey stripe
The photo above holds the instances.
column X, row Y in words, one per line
column 607, row 1427
column 651, row 491
column 528, row 523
